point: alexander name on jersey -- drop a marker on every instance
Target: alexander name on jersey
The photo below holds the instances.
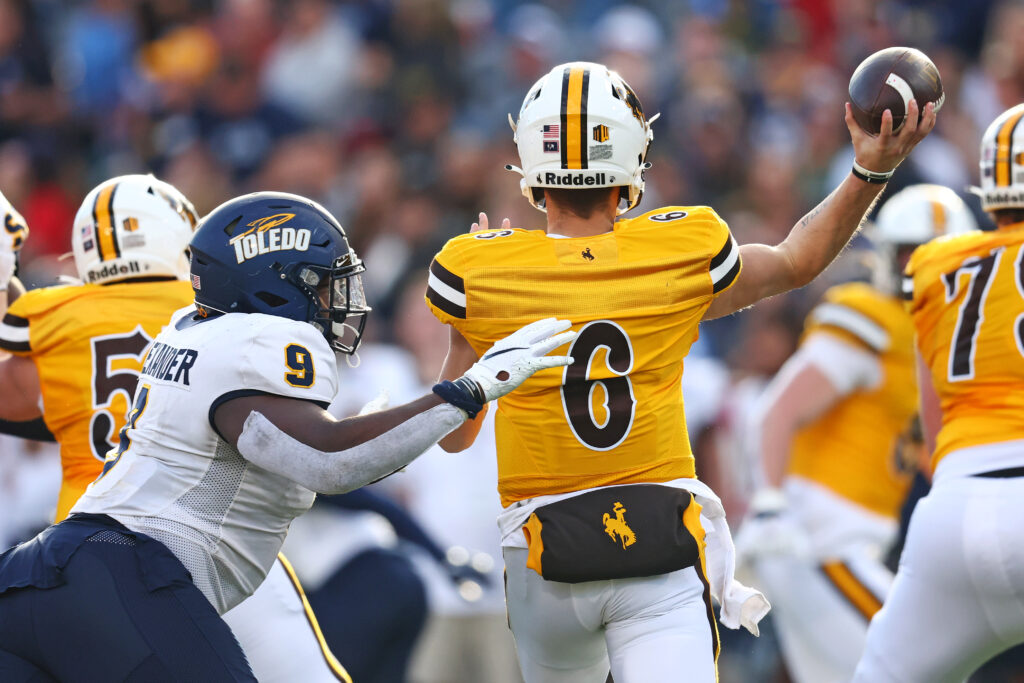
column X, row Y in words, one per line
column 169, row 364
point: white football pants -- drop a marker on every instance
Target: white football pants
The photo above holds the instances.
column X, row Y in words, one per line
column 958, row 598
column 648, row 629
column 279, row 634
column 821, row 610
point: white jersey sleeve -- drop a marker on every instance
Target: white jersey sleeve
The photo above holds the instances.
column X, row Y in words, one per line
column 848, row 367
column 282, row 358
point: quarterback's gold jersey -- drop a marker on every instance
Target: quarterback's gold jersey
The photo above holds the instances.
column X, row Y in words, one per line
column 852, row 448
column 635, row 295
column 967, row 302
column 87, row 343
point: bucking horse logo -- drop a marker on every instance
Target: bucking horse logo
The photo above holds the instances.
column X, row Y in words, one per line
column 617, row 528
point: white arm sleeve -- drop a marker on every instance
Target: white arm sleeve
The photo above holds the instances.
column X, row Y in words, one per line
column 263, row 444
column 847, row 366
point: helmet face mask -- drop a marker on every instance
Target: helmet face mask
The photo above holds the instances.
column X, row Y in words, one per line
column 340, row 300
column 1002, row 162
column 285, row 255
column 582, row 127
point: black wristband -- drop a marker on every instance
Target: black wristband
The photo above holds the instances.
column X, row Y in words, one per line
column 872, row 177
column 460, row 395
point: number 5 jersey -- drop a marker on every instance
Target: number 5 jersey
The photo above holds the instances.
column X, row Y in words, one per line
column 967, row 303
column 87, row 343
column 636, row 295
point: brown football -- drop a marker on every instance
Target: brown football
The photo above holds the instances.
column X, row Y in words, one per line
column 889, row 79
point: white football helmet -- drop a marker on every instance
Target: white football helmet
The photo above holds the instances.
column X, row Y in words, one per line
column 581, row 126
column 911, row 217
column 133, row 226
column 1002, row 162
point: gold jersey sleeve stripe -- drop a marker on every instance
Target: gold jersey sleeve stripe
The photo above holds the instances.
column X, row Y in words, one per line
column 1004, row 148
column 103, row 219
column 575, row 88
column 332, row 662
column 855, row 592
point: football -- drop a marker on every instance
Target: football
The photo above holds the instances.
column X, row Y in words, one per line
column 889, row 79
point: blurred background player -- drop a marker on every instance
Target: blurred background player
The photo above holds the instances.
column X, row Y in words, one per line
column 830, row 432
column 78, row 350
column 590, row 443
column 961, row 575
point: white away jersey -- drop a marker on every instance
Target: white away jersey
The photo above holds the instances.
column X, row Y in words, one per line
column 174, row 478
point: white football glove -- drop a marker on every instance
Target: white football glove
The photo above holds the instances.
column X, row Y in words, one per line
column 508, row 363
column 768, row 529
column 12, row 237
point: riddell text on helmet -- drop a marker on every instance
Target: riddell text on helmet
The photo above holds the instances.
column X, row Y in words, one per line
column 551, row 178
column 113, row 270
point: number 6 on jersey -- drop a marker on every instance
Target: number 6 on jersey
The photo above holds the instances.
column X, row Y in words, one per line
column 603, row 425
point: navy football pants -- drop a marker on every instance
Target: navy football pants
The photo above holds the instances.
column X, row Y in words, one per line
column 104, row 623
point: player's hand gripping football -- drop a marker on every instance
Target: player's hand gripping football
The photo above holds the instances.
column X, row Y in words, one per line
column 883, row 153
column 12, row 237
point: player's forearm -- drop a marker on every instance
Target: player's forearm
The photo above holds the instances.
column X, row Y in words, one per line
column 340, row 471
column 818, row 237
column 20, row 380
column 799, row 394
column 463, row 436
column 776, row 442
column 931, row 408
column 460, row 358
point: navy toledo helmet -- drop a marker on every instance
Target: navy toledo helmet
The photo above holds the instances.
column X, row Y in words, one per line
column 280, row 254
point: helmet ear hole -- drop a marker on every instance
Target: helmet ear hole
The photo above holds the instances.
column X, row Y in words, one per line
column 229, row 229
column 271, row 299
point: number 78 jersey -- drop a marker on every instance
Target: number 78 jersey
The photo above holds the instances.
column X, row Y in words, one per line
column 967, row 294
column 635, row 295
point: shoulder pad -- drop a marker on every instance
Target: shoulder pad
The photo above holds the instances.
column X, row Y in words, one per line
column 857, row 310
column 38, row 301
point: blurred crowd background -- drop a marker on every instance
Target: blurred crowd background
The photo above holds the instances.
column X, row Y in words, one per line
column 393, row 114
